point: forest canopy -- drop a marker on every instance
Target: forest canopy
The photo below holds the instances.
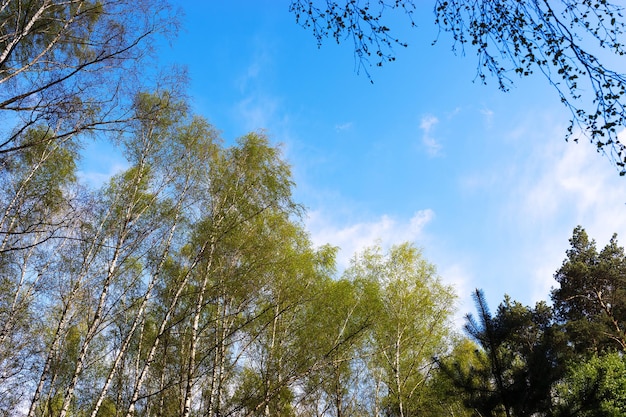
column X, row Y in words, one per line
column 187, row 285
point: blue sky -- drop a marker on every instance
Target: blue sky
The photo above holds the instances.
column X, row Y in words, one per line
column 482, row 180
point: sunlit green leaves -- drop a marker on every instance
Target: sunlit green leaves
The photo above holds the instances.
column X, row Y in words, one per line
column 593, row 388
column 590, row 296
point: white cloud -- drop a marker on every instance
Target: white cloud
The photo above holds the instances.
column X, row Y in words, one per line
column 258, row 107
column 530, row 198
column 100, row 160
column 488, row 116
column 427, row 124
column 353, row 238
column 250, row 75
column 257, row 112
column 261, row 60
column 457, row 275
column 570, row 175
column 343, row 126
column 575, row 180
column 564, row 185
column 96, row 179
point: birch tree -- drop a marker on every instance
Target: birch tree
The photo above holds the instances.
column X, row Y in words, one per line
column 70, row 67
column 38, row 201
column 340, row 321
column 412, row 326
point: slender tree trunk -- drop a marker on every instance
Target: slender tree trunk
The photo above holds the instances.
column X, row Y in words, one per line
column 338, row 391
column 56, row 340
column 216, row 370
column 194, row 333
column 397, row 371
column 139, row 316
column 271, row 359
column 130, row 212
column 10, row 46
column 221, row 349
column 62, row 322
column 162, row 328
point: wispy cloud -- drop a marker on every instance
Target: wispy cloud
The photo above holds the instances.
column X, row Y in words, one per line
column 258, row 106
column 488, row 116
column 96, row 179
column 578, row 184
column 427, row 125
column 259, row 63
column 343, row 126
column 531, row 197
column 100, row 160
column 457, row 275
column 257, row 111
column 573, row 179
column 562, row 185
column 353, row 238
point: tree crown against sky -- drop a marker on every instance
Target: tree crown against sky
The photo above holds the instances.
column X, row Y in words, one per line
column 575, row 45
column 72, row 67
column 76, row 50
column 186, row 284
column 565, row 360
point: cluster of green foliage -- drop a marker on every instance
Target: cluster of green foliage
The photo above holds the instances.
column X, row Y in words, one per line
column 187, row 285
column 565, row 360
